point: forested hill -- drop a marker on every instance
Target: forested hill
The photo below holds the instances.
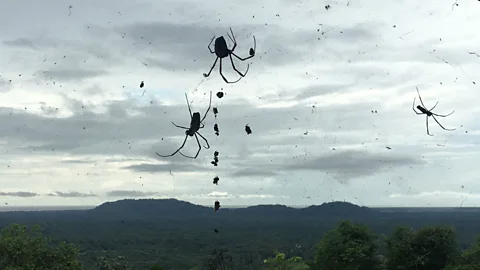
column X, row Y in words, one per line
column 159, row 209
column 171, row 208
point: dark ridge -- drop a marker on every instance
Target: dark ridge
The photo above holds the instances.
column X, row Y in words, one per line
column 172, row 208
column 337, row 209
column 142, row 208
column 265, row 209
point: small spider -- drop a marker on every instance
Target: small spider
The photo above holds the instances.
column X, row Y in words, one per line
column 248, row 129
column 216, row 206
column 215, row 159
column 215, row 180
column 215, row 128
column 222, row 51
column 195, row 124
column 429, row 113
column 220, row 94
column 142, row 84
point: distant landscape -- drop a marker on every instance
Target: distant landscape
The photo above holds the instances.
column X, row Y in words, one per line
column 180, row 235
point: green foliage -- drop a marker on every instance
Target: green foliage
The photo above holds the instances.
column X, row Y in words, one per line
column 220, row 259
column 428, row 248
column 22, row 248
column 279, row 262
column 117, row 263
column 469, row 259
column 157, row 267
column 349, row 246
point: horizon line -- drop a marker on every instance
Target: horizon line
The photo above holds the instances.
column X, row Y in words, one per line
column 225, row 206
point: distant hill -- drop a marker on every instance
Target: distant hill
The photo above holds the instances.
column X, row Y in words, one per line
column 172, row 208
column 338, row 209
column 145, row 208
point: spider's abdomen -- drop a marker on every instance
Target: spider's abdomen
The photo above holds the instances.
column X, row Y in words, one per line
column 195, row 123
column 221, row 49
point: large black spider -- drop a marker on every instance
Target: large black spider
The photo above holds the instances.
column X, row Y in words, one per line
column 429, row 113
column 222, row 51
column 195, row 124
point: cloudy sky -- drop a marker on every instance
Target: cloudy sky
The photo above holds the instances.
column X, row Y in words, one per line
column 78, row 130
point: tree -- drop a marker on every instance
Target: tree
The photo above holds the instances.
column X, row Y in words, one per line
column 469, row 259
column 117, row 263
column 157, row 267
column 428, row 248
column 23, row 248
column 220, row 259
column 349, row 246
column 279, row 262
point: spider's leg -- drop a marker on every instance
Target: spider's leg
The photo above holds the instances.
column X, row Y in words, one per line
column 178, row 126
column 254, row 44
column 198, row 152
column 214, row 63
column 223, row 77
column 433, row 107
column 234, row 43
column 413, row 106
column 235, row 68
column 428, row 132
column 209, row 44
column 441, row 124
column 208, row 109
column 185, row 155
column 426, row 123
column 183, row 144
column 205, row 139
column 188, row 105
column 232, row 38
column 202, row 125
column 440, row 115
column 421, row 101
column 243, row 59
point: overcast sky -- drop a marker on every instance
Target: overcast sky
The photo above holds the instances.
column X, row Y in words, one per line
column 78, row 130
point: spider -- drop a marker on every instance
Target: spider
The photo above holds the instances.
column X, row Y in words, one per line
column 195, row 124
column 216, row 206
column 429, row 113
column 222, row 51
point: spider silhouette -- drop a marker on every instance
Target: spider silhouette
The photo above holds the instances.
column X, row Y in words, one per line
column 195, row 124
column 429, row 113
column 222, row 51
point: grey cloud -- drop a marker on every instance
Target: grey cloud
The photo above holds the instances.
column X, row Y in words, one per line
column 5, row 85
column 48, row 110
column 72, row 194
column 347, row 164
column 72, row 74
column 75, row 60
column 171, row 167
column 77, row 161
column 359, row 77
column 342, row 164
column 358, row 33
column 187, row 44
column 253, row 171
column 21, row 42
column 129, row 193
column 118, row 132
column 324, row 89
column 23, row 194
